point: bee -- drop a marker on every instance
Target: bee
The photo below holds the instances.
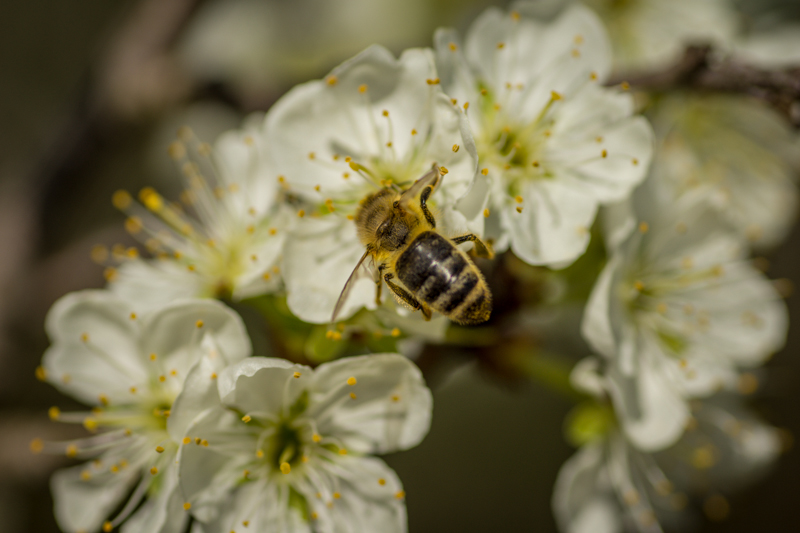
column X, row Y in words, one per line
column 399, row 233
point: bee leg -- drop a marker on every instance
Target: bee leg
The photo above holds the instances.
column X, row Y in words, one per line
column 481, row 249
column 379, row 284
column 423, row 199
column 405, row 296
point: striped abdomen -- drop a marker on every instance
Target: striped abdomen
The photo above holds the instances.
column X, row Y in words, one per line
column 442, row 276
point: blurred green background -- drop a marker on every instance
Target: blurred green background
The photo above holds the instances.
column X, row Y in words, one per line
column 92, row 91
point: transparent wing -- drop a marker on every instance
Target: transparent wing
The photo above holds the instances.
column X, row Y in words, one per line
column 431, row 178
column 347, row 286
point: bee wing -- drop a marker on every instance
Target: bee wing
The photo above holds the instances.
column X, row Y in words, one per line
column 347, row 286
column 431, row 178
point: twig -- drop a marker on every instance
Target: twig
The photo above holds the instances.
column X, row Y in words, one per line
column 699, row 70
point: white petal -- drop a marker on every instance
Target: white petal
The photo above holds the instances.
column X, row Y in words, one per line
column 581, row 502
column 84, row 505
column 148, row 284
column 651, row 409
column 107, row 361
column 174, row 333
column 199, row 394
column 553, row 227
column 392, row 406
column 209, row 473
column 162, row 513
column 262, row 384
column 597, row 327
column 365, row 504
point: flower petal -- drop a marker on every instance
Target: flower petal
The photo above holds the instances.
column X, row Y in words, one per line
column 162, row 513
column 390, row 407
column 262, row 384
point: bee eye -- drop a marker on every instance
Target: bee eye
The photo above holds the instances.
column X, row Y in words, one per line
column 383, row 228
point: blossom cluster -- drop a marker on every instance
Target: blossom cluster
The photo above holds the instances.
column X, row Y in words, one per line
column 509, row 136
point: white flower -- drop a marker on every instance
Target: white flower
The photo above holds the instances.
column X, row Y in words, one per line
column 676, row 310
column 733, row 153
column 287, row 451
column 374, row 122
column 224, row 241
column 554, row 142
column 648, row 34
column 134, row 370
column 770, row 47
column 610, row 486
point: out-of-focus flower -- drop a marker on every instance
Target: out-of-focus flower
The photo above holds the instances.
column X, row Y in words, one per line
column 676, row 311
column 135, row 371
column 223, row 240
column 374, row 122
column 734, row 154
column 610, row 486
column 775, row 47
column 647, row 34
column 554, row 142
column 288, row 448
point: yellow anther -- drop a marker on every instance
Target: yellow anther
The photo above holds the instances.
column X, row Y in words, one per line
column 748, row 383
column 555, row 97
column 703, row 458
column 331, row 80
column 466, row 106
column 351, row 381
column 342, row 451
column 631, row 497
column 514, row 16
column 661, row 308
column 717, row 270
column 301, row 213
column 246, row 419
column 151, row 199
column 381, row 482
column 176, row 150
column 154, row 471
column 259, row 453
column 500, row 46
column 625, row 85
column 86, row 475
column 162, row 378
column 518, row 199
column 576, row 53
column 304, row 458
column 103, row 399
column 245, row 523
column 160, row 449
column 110, row 274
column 37, row 445
column 413, row 132
column 400, row 494
column 71, row 450
column 484, row 92
column 99, row 254
column 90, row 424
column 395, row 332
column 453, row 47
column 353, row 396
column 362, row 88
column 485, row 171
column 187, row 506
column 336, row 495
column 198, row 441
column 266, row 276
column 186, row 440
column 66, row 378
column 40, row 373
column 54, row 413
column 455, row 147
column 285, row 468
column 107, row 526
column 385, row 113
column 199, row 324
column 121, row 199
column 454, row 101
column 687, row 262
column 314, row 516
column 296, row 375
column 204, row 443
column 643, row 227
column 85, row 337
column 213, row 375
column 593, row 76
column 535, row 164
column 312, row 155
column 638, row 285
column 316, row 437
column 336, row 336
column 443, row 170
column 245, row 474
column 635, row 161
column 432, row 81
column 519, row 209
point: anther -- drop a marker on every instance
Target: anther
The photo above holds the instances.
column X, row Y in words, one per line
column 381, row 482
column 554, row 96
column 342, row 451
column 186, row 440
column 395, row 332
column 413, row 132
column 285, row 468
column 485, row 171
column 336, row 495
column 604, row 154
column 466, row 106
column 455, row 148
column 331, row 80
column 260, row 453
column 486, row 213
column 160, row 449
column 40, row 373
column 514, row 16
column 643, row 227
column 576, row 53
column 54, row 413
column 625, row 85
column 121, row 199
column 443, row 170
column 154, row 471
column 86, row 475
column 432, row 81
column 519, row 209
column 301, row 213
column 593, row 76
column 90, row 424
column 187, row 506
column 198, row 441
column 453, row 47
column 454, row 101
column 500, row 46
column 37, row 445
column 638, row 285
column 362, row 88
column 518, row 199
column 400, row 494
column 71, row 450
column 107, row 526
column 353, row 396
column 351, row 381
column 296, row 375
column 316, row 437
column 199, row 324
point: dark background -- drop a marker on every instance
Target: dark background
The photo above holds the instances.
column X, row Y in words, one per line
column 75, row 125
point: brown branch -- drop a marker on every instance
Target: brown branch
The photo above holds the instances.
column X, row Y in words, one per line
column 699, row 70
